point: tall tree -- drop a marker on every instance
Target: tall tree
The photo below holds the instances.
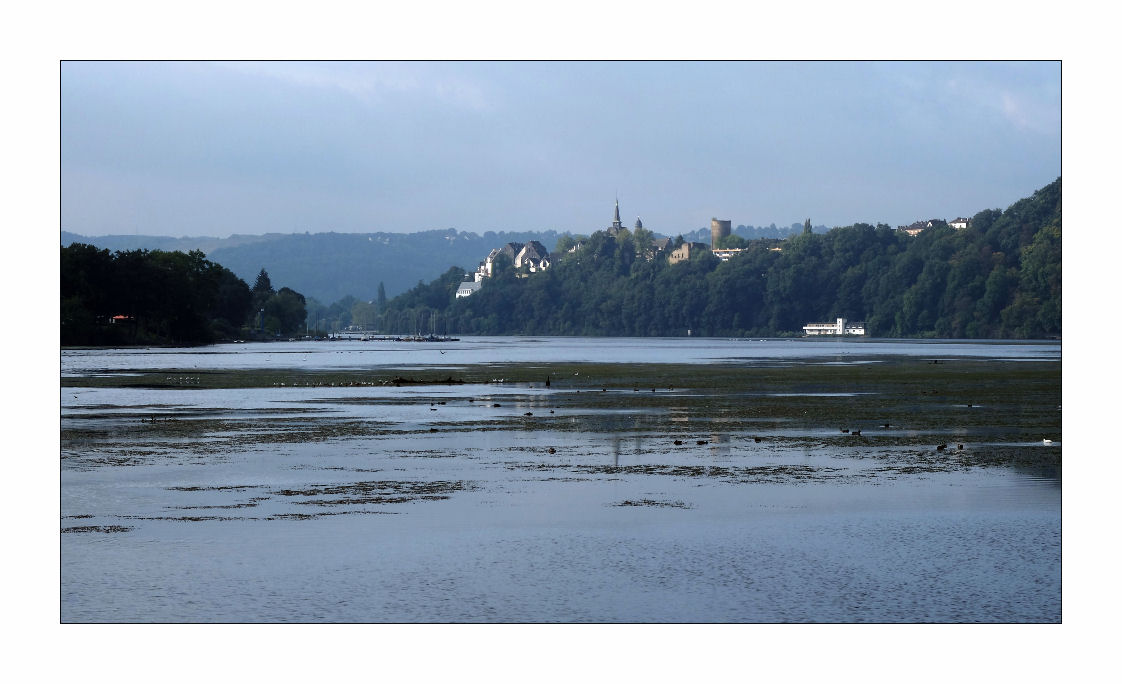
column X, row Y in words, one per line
column 381, row 296
column 263, row 285
column 262, row 292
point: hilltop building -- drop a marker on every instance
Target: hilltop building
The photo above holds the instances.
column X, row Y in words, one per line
column 617, row 224
column 533, row 254
column 468, row 288
column 487, row 266
column 919, row 226
column 719, row 229
column 726, row 254
column 687, row 250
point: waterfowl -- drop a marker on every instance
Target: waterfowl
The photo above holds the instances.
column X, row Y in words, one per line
column 1047, row 441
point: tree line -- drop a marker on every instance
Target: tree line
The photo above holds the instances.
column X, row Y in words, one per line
column 158, row 297
column 998, row 278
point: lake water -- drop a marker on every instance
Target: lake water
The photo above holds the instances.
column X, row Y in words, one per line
column 520, row 502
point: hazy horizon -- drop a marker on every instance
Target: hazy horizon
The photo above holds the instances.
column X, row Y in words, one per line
column 202, row 149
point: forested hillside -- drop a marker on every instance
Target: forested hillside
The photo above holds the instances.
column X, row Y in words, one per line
column 998, row 278
column 331, row 266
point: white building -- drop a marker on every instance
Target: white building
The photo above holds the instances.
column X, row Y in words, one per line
column 841, row 327
column 468, row 288
column 534, row 255
column 726, row 254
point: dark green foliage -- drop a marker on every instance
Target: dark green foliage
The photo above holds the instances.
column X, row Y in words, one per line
column 157, row 297
column 999, row 278
column 285, row 312
column 329, row 266
column 263, row 286
column 731, row 242
column 413, row 312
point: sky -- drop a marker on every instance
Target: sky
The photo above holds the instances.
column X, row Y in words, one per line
column 192, row 148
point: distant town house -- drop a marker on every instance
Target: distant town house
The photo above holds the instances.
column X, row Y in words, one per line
column 960, row 223
column 726, row 254
column 533, row 255
column 915, row 228
column 687, row 251
column 487, row 266
column 919, row 226
column 468, row 288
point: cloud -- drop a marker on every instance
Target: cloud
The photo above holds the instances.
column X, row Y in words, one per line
column 1024, row 95
column 372, row 81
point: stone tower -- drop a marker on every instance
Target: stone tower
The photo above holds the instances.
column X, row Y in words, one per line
column 719, row 229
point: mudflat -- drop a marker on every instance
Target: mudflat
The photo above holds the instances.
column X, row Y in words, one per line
column 566, row 491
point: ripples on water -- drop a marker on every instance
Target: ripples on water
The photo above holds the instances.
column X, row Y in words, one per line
column 338, row 504
column 356, row 354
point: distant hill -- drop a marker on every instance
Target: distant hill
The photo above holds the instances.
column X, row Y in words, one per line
column 999, row 277
column 330, row 266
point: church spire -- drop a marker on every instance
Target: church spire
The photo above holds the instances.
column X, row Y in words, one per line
column 616, row 223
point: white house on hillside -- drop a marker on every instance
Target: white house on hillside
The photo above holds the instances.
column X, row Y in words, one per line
column 468, row 288
column 533, row 254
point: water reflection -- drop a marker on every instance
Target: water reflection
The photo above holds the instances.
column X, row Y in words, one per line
column 259, row 494
column 473, row 350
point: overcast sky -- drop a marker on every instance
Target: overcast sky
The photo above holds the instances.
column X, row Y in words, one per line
column 205, row 148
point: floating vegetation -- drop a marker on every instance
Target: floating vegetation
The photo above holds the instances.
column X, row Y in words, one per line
column 653, row 503
column 247, row 504
column 376, row 492
column 218, row 488
column 427, row 453
column 96, row 528
column 312, row 516
column 778, row 473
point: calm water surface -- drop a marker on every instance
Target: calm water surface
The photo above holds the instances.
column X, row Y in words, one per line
column 432, row 504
